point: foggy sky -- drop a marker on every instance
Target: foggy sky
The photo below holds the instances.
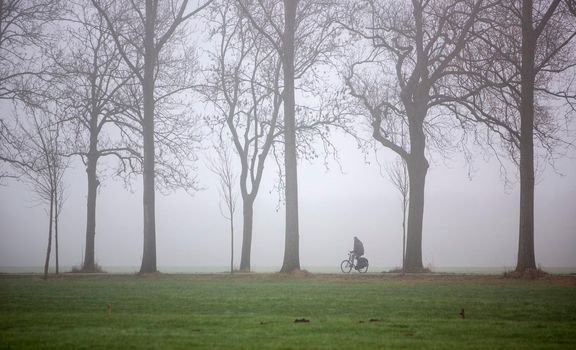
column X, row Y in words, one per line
column 467, row 222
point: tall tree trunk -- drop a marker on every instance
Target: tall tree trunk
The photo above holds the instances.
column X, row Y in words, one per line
column 417, row 170
column 291, row 248
column 149, row 251
column 526, row 257
column 248, row 214
column 49, row 248
column 89, row 258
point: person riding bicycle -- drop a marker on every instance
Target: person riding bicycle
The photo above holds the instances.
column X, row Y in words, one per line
column 358, row 250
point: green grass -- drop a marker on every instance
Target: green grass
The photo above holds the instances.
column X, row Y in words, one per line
column 258, row 312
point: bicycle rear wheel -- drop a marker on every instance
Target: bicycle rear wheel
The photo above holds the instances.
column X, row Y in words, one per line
column 365, row 268
column 345, row 266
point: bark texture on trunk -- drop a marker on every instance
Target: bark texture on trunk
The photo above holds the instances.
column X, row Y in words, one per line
column 526, row 256
column 291, row 248
column 149, row 250
column 417, row 169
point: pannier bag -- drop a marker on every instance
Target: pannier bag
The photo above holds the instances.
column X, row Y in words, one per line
column 362, row 262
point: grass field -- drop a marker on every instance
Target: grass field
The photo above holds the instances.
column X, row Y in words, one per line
column 257, row 311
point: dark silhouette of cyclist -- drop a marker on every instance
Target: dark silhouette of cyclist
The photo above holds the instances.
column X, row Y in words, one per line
column 358, row 249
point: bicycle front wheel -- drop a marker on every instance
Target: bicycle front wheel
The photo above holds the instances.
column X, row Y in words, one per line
column 345, row 266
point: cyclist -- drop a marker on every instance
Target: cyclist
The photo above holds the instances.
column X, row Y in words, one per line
column 358, row 250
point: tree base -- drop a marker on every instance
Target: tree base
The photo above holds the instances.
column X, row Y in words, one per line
column 296, row 273
column 88, row 269
column 527, row 273
column 151, row 274
column 413, row 270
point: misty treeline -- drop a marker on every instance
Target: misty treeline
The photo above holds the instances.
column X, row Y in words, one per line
column 146, row 83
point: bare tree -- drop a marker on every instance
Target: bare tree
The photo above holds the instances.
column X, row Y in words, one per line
column 88, row 76
column 303, row 34
column 520, row 81
column 222, row 167
column 32, row 149
column 243, row 86
column 42, row 167
column 401, row 83
column 537, row 35
column 143, row 30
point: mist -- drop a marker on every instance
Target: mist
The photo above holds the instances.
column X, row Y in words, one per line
column 470, row 219
column 110, row 133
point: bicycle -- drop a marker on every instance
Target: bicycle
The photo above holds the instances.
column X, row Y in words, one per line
column 347, row 264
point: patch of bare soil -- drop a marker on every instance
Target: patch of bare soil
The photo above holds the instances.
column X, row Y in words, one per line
column 300, row 273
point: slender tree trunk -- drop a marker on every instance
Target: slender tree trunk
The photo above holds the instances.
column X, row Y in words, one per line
column 526, row 256
column 291, row 248
column 231, row 241
column 149, row 251
column 89, row 255
column 56, row 215
column 404, row 205
column 248, row 214
column 231, row 212
column 49, row 248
